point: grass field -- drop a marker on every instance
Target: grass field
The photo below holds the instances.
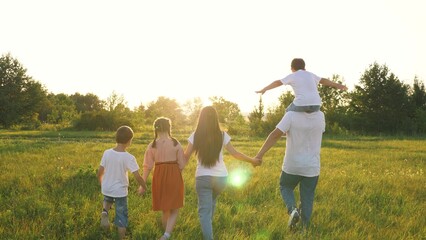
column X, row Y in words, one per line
column 369, row 188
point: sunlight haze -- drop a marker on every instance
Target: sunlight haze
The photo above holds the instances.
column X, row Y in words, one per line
column 187, row 49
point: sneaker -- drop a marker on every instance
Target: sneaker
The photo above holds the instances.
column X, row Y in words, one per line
column 166, row 236
column 293, row 219
column 104, row 220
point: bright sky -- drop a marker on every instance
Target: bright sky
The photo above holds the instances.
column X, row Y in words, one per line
column 191, row 48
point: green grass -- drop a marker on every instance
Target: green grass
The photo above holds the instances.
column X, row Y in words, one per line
column 369, row 188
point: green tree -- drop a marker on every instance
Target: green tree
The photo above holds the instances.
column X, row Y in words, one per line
column 418, row 100
column 115, row 102
column 62, row 109
column 334, row 104
column 139, row 118
column 87, row 103
column 115, row 114
column 230, row 116
column 380, row 103
column 165, row 107
column 191, row 109
column 256, row 119
column 418, row 95
column 21, row 97
column 276, row 113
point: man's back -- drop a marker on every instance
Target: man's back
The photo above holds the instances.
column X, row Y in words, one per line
column 304, row 135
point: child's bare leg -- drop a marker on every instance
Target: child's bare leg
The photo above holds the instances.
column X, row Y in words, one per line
column 121, row 232
column 172, row 220
column 107, row 205
column 104, row 216
column 165, row 218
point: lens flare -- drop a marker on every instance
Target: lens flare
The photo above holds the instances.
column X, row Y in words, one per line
column 238, row 177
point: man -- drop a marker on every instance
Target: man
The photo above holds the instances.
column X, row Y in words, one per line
column 301, row 165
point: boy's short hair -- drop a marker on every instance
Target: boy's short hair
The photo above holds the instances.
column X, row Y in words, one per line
column 124, row 134
column 298, row 64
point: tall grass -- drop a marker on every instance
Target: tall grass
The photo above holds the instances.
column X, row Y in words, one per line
column 369, row 188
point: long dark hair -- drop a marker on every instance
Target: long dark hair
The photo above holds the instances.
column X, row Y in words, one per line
column 163, row 124
column 208, row 138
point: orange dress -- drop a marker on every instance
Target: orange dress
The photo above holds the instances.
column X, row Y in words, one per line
column 167, row 182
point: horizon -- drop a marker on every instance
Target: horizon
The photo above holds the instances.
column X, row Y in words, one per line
column 188, row 49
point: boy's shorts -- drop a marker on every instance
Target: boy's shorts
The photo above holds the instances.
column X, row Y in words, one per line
column 307, row 109
column 121, row 212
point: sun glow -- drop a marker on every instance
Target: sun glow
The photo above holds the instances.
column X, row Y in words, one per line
column 238, row 177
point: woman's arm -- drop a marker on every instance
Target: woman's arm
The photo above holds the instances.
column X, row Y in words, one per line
column 188, row 152
column 241, row 156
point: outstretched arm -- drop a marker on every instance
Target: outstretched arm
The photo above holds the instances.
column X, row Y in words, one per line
column 241, row 156
column 272, row 85
column 273, row 137
column 326, row 82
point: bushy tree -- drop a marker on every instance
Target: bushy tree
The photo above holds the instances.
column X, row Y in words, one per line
column 62, row 109
column 418, row 95
column 276, row 113
column 380, row 103
column 230, row 116
column 87, row 103
column 192, row 109
column 334, row 104
column 165, row 107
column 101, row 121
column 418, row 100
column 256, row 119
column 115, row 114
column 21, row 97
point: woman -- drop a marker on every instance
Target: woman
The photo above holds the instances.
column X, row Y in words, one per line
column 207, row 143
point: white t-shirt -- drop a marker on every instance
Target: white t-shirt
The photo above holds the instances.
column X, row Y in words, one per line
column 115, row 181
column 305, row 87
column 218, row 170
column 304, row 135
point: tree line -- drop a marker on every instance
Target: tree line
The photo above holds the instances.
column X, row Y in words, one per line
column 379, row 104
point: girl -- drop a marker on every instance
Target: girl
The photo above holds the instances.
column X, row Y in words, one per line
column 210, row 178
column 166, row 153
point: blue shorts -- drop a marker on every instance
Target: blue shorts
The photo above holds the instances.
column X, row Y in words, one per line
column 307, row 109
column 121, row 212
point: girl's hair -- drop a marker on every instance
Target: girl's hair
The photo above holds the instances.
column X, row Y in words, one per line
column 208, row 138
column 163, row 124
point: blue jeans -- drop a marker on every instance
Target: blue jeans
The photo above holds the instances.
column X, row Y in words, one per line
column 307, row 186
column 121, row 212
column 307, row 109
column 208, row 189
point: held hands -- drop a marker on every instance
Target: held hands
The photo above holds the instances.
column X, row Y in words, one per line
column 256, row 162
column 141, row 190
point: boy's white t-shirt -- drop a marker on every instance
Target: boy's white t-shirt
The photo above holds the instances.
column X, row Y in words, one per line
column 304, row 135
column 305, row 87
column 115, row 181
column 218, row 170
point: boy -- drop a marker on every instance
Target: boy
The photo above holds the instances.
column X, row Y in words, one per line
column 114, row 180
column 304, row 84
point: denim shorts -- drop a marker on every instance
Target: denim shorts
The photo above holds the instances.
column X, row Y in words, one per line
column 307, row 109
column 121, row 212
